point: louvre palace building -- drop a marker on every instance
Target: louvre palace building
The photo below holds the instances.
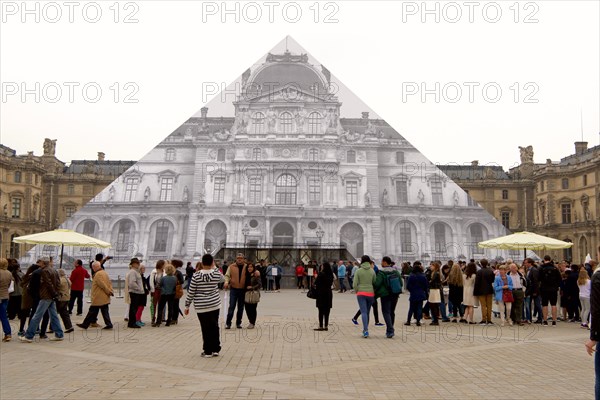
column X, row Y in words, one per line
column 286, row 179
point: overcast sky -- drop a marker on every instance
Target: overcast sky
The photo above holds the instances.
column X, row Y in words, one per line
column 546, row 65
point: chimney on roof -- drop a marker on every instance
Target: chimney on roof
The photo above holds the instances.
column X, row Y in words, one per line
column 580, row 147
column 101, row 156
column 204, row 112
column 365, row 115
column 475, row 163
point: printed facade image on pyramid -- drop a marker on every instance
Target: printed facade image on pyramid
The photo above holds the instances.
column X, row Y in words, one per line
column 287, row 176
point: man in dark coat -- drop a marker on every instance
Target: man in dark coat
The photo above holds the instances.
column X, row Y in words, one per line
column 484, row 290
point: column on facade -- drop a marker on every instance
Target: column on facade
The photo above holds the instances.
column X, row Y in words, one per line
column 298, row 230
column 142, row 237
column 267, row 236
column 367, row 237
column 182, row 233
column 201, row 227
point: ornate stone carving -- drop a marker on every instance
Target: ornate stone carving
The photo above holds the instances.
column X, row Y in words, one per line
column 222, row 134
column 526, row 154
column 49, row 147
column 351, row 137
column 212, row 154
column 385, row 198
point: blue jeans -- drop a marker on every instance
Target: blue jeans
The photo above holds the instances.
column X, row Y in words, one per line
column 527, row 309
column 537, row 302
column 342, row 286
column 364, row 304
column 416, row 309
column 236, row 297
column 443, row 306
column 44, row 305
column 4, row 317
column 388, row 309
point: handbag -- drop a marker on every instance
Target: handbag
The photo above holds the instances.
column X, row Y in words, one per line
column 252, row 297
column 178, row 290
column 434, row 296
column 507, row 296
column 312, row 293
column 11, row 287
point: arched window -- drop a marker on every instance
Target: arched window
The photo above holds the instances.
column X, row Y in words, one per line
column 285, row 190
column 406, row 234
column 439, row 237
column 89, row 227
column 285, row 119
column 476, row 232
column 15, row 250
column 258, row 123
column 161, row 236
column 314, row 122
column 124, row 235
column 568, row 252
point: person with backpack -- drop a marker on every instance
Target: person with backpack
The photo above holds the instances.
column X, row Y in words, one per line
column 388, row 286
column 550, row 280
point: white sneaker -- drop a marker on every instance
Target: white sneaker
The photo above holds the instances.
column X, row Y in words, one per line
column 25, row 340
column 206, row 355
column 250, row 326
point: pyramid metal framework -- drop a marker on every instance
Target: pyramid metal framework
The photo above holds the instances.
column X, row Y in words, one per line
column 286, row 178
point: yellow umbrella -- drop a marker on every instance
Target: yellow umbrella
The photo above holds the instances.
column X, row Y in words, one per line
column 62, row 237
column 524, row 240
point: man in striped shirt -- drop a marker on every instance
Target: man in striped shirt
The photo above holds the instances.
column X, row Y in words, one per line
column 204, row 293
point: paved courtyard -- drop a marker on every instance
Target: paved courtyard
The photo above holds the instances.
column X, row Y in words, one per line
column 283, row 358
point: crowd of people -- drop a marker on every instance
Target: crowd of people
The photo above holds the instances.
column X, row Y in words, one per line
column 516, row 294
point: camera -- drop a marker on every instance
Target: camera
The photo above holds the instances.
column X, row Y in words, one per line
column 109, row 257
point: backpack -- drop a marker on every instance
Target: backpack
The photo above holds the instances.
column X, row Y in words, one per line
column 393, row 283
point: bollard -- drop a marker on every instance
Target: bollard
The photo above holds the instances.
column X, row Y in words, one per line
column 119, row 286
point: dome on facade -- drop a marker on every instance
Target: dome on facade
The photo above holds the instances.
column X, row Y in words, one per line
column 282, row 70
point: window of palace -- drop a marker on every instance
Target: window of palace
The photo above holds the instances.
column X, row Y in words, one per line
column 313, row 154
column 476, row 237
column 15, row 249
column 470, row 201
column 17, row 177
column 131, row 186
column 221, row 155
column 351, row 157
column 402, row 191
column 89, row 228
column 314, row 122
column 314, row 190
column 258, row 123
column 439, row 237
column 70, row 211
column 16, row 207
column 161, row 236
column 170, row 154
column 541, row 186
column 568, row 252
column 351, row 193
column 505, row 219
column 585, row 180
column 255, row 190
column 166, row 189
column 70, row 189
column 406, row 235
column 437, row 195
column 565, row 212
column 219, row 189
column 399, row 157
column 285, row 122
column 504, row 194
column 285, row 190
column 256, row 154
column 124, row 235
column 565, row 183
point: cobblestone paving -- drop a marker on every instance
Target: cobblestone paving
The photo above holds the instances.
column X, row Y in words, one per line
column 283, row 358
